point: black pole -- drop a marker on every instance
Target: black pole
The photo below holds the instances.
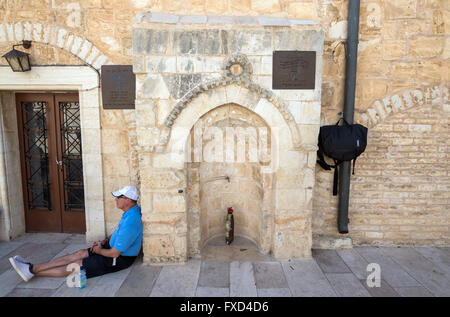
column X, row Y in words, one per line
column 349, row 107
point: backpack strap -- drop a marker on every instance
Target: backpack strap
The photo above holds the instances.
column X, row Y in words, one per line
column 321, row 160
column 328, row 167
column 335, row 180
column 342, row 118
column 336, row 176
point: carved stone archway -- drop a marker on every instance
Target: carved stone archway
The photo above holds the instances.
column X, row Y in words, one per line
column 231, row 77
column 164, row 176
column 55, row 36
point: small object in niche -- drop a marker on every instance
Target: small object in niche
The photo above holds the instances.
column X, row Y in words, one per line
column 229, row 226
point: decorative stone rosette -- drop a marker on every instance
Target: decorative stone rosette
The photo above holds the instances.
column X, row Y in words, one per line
column 237, row 68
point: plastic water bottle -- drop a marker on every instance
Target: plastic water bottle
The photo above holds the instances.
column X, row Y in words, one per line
column 82, row 277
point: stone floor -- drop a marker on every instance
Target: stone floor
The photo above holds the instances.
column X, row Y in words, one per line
column 239, row 270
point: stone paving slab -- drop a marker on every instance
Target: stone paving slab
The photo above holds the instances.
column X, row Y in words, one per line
column 107, row 285
column 347, row 285
column 305, row 279
column 329, row 261
column 43, row 237
column 8, row 247
column 76, row 239
column 421, row 269
column 355, row 262
column 269, row 275
column 177, row 280
column 437, row 256
column 445, row 249
column 274, row 292
column 417, row 291
column 212, row 292
column 215, row 274
column 30, row 292
column 242, row 280
column 392, row 272
column 140, row 281
column 8, row 281
column 385, row 290
column 405, row 271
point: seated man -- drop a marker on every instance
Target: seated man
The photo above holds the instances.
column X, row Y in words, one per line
column 113, row 254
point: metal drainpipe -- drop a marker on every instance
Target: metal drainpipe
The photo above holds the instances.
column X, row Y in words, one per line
column 349, row 106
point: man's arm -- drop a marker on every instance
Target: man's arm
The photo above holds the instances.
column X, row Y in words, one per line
column 109, row 253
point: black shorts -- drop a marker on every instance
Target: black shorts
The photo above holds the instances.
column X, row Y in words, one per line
column 96, row 264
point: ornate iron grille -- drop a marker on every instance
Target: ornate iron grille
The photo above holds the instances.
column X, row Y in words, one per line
column 36, row 154
column 71, row 156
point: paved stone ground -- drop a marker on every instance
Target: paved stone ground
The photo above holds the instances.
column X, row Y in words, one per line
column 239, row 271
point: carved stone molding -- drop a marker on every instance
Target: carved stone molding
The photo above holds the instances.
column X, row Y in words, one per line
column 236, row 70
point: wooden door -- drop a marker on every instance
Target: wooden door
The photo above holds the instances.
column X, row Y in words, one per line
column 52, row 170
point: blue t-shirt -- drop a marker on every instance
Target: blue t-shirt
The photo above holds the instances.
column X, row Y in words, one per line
column 127, row 238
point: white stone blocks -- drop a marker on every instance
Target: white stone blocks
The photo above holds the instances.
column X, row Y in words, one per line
column 91, row 147
column 85, row 49
column 161, row 64
column 10, row 32
column 305, row 112
column 18, row 31
column 94, row 53
column 198, row 64
column 37, row 32
column 101, row 60
column 152, row 86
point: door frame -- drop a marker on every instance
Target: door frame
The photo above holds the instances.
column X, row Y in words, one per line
column 52, row 79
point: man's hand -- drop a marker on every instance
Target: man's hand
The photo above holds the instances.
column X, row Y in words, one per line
column 96, row 248
column 99, row 243
column 94, row 245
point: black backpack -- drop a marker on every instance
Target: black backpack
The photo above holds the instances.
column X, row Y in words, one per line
column 341, row 143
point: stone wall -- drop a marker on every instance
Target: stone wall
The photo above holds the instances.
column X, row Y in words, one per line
column 404, row 45
column 12, row 218
column 399, row 193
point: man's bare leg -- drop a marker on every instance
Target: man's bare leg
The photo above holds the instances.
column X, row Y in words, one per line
column 76, row 257
column 60, row 271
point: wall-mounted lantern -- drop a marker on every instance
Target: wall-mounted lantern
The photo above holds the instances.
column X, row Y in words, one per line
column 19, row 61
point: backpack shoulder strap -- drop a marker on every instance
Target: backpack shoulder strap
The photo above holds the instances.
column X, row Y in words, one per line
column 321, row 160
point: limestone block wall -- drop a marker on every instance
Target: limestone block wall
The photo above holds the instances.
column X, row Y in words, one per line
column 404, row 45
column 398, row 193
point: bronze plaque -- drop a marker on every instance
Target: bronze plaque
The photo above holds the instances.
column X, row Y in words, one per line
column 118, row 87
column 294, row 70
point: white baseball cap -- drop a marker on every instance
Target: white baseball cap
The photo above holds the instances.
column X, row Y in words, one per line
column 128, row 191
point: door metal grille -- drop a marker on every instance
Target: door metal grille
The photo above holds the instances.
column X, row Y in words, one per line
column 71, row 156
column 35, row 140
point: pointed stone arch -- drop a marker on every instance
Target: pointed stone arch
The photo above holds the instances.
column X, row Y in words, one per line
column 230, row 90
column 55, row 36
